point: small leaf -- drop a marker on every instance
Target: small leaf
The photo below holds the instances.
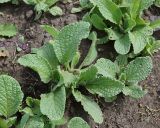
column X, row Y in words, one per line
column 10, row 96
column 4, row 1
column 77, row 122
column 8, row 30
column 138, row 69
column 89, row 106
column 98, row 22
column 123, row 44
column 51, row 30
column 139, row 38
column 134, row 91
column 53, row 104
column 66, row 43
column 105, row 87
column 92, row 53
column 56, row 11
column 34, row 122
column 38, row 64
column 155, row 24
column 88, row 74
column 113, row 34
column 106, row 68
column 109, row 10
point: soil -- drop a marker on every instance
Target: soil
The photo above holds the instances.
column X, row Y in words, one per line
column 123, row 113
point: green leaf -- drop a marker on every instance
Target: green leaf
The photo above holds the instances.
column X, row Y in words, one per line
column 92, row 53
column 88, row 74
column 139, row 38
column 56, row 11
column 50, row 2
column 10, row 96
column 38, row 64
column 134, row 91
column 30, row 2
column 4, row 1
column 110, row 99
column 23, row 121
column 3, row 123
column 155, row 24
column 89, row 106
column 8, row 30
column 47, row 52
column 75, row 60
column 138, row 69
column 35, row 122
column 68, row 40
column 51, row 30
column 53, row 104
column 109, row 10
column 122, row 60
column 41, row 6
column 135, row 8
column 106, row 68
column 113, row 34
column 123, row 44
column 105, row 87
column 77, row 122
column 98, row 22
column 67, row 78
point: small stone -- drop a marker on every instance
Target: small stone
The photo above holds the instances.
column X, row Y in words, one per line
column 29, row 14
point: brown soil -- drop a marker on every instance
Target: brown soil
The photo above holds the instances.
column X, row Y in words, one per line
column 123, row 113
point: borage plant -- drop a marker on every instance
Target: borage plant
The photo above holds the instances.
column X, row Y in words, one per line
column 123, row 22
column 11, row 98
column 56, row 62
column 45, row 6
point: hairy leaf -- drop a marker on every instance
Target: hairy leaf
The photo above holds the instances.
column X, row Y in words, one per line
column 105, row 87
column 138, row 69
column 106, row 68
column 10, row 96
column 134, row 91
column 51, row 30
column 38, row 64
column 53, row 104
column 68, row 40
column 8, row 30
column 77, row 122
column 109, row 10
column 34, row 122
column 89, row 106
column 56, row 11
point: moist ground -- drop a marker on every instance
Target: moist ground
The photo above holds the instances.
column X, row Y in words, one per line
column 125, row 112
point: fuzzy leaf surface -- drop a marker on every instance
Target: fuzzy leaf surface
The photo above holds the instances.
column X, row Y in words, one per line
column 8, row 30
column 89, row 106
column 10, row 96
column 68, row 40
column 138, row 69
column 38, row 64
column 53, row 104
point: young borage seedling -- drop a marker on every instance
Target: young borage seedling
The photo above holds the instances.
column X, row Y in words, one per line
column 45, row 6
column 123, row 23
column 56, row 62
column 11, row 98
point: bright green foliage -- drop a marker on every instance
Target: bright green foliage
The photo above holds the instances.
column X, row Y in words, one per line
column 59, row 59
column 66, row 43
column 89, row 106
column 138, row 69
column 123, row 22
column 34, row 122
column 77, row 122
column 45, row 6
column 157, row 3
column 10, row 96
column 8, row 30
column 38, row 64
column 123, row 79
column 53, row 104
column 105, row 87
column 4, row 1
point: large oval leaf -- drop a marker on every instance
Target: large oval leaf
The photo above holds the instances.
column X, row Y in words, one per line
column 77, row 122
column 89, row 106
column 10, row 96
column 68, row 40
column 105, row 87
column 53, row 104
column 38, row 64
column 138, row 69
